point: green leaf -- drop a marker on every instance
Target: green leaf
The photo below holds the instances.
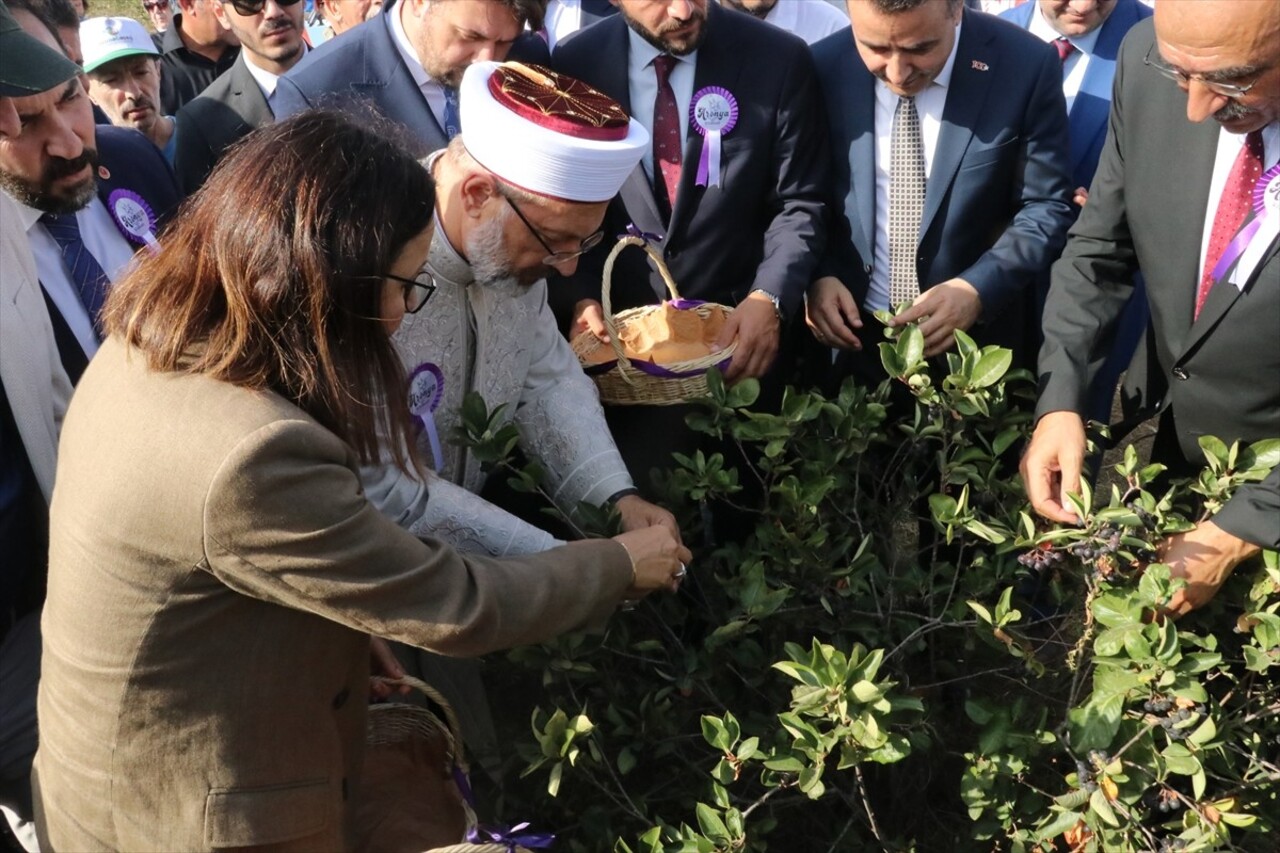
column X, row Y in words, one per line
column 553, row 781
column 911, row 346
column 1098, row 803
column 991, row 368
column 1095, row 725
column 626, row 761
column 1061, row 822
column 1214, row 450
column 710, row 823
column 1178, row 759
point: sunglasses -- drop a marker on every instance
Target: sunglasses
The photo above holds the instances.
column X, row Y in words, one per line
column 156, row 6
column 253, row 7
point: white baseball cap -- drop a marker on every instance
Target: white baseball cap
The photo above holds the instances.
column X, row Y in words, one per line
column 106, row 39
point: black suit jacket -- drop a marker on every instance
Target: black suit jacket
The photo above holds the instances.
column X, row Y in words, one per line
column 764, row 226
column 228, row 110
column 1218, row 374
column 998, row 198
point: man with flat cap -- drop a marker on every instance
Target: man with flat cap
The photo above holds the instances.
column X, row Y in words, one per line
column 506, row 216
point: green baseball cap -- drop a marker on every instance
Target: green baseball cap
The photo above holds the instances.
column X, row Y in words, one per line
column 28, row 67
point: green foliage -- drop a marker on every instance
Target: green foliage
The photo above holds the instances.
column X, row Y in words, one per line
column 896, row 655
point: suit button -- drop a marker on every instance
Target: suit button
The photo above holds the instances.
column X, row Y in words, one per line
column 1179, row 373
column 866, row 268
column 341, row 698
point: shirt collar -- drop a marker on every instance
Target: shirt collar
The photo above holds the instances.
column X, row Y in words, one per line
column 28, row 216
column 265, row 79
column 171, row 40
column 407, row 51
column 1041, row 27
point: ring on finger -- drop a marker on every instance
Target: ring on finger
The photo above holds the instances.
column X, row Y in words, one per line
column 681, row 572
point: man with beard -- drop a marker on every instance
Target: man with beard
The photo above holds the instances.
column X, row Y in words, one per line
column 124, row 78
column 812, row 21
column 60, row 248
column 506, row 216
column 1193, row 203
column 745, row 234
column 406, row 63
column 270, row 36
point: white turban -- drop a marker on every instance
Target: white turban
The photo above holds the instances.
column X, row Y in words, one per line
column 547, row 133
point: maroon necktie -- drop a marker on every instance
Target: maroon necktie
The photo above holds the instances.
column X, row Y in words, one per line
column 1233, row 207
column 667, row 153
column 1065, row 48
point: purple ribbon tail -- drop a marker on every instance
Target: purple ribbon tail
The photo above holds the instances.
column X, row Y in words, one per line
column 704, row 164
column 1236, row 248
column 512, row 838
column 634, row 231
column 433, row 436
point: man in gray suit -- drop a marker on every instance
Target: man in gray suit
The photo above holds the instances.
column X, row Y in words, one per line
column 270, row 35
column 1174, row 195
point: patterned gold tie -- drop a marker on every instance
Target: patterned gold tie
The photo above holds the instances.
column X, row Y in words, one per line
column 906, row 202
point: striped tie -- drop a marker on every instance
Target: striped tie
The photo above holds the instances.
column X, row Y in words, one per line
column 90, row 280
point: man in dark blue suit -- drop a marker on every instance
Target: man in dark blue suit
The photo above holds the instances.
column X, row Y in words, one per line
column 565, row 18
column 406, row 63
column 1087, row 35
column 949, row 134
column 747, row 236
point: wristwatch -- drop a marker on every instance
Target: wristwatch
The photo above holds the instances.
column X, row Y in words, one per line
column 777, row 303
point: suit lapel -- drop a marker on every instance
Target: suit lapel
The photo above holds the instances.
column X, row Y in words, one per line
column 386, row 70
column 858, row 112
column 1223, row 295
column 716, row 66
column 966, row 95
column 1194, row 161
column 247, row 99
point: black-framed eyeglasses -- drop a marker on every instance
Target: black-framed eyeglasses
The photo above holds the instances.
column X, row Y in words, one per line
column 1226, row 90
column 253, row 7
column 416, row 291
column 553, row 257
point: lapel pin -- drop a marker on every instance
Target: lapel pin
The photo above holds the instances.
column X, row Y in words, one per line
column 104, row 173
column 980, row 66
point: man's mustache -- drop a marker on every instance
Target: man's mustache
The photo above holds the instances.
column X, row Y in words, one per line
column 60, row 167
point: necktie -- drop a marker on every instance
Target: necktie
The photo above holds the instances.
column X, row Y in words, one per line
column 667, row 146
column 90, row 281
column 906, row 202
column 1065, row 48
column 452, row 124
column 1233, row 208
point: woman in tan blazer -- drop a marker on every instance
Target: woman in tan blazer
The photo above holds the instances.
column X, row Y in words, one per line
column 215, row 571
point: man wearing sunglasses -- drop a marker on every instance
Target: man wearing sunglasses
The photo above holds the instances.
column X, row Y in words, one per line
column 270, row 36
column 507, row 214
column 1189, row 161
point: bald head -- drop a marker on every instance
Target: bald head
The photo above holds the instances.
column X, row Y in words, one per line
column 1222, row 47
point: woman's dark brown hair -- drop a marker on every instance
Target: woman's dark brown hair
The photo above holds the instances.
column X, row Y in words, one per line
column 271, row 277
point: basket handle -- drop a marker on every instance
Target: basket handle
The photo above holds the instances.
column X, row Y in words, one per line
column 605, row 304
column 450, row 718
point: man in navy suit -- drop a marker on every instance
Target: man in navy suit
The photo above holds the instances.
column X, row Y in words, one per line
column 1087, row 35
column 62, row 180
column 747, row 237
column 982, row 124
column 406, row 63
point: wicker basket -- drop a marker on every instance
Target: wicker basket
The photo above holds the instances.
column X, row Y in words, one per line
column 626, row 383
column 413, row 735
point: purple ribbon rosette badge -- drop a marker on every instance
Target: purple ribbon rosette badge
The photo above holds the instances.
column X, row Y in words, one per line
column 134, row 217
column 1265, row 224
column 714, row 112
column 426, row 390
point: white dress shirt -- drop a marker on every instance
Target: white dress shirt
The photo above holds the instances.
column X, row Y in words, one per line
column 1073, row 70
column 563, row 18
column 103, row 240
column 812, row 20
column 642, row 83
column 265, row 79
column 929, row 106
column 431, row 89
column 1229, row 145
